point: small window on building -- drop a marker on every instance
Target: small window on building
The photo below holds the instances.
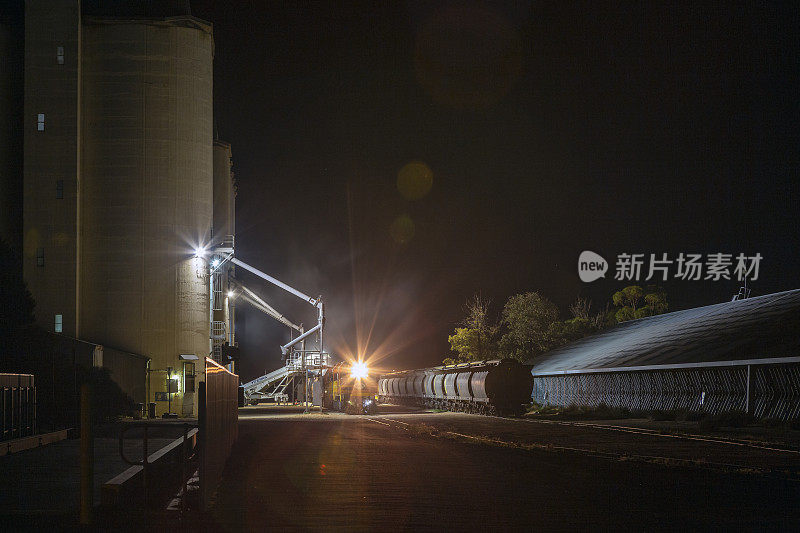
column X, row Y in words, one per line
column 60, row 190
column 40, row 257
column 60, row 55
column 40, row 122
column 59, row 323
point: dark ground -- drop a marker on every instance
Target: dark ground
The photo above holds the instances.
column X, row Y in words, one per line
column 40, row 488
column 453, row 471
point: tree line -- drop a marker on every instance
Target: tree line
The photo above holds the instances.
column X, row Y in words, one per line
column 530, row 325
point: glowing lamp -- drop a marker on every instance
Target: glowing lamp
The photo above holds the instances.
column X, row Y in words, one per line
column 359, row 370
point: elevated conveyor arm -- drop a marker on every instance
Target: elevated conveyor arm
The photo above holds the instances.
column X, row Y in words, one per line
column 316, row 302
column 263, row 306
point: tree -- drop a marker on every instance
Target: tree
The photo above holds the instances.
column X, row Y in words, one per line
column 476, row 339
column 584, row 319
column 581, row 308
column 531, row 326
column 635, row 302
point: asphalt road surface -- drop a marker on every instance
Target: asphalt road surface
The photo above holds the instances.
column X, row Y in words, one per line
column 451, row 471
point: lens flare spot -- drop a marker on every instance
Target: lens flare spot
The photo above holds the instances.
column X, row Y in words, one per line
column 402, row 229
column 414, row 180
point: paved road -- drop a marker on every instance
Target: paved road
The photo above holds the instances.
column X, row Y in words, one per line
column 619, row 440
column 370, row 473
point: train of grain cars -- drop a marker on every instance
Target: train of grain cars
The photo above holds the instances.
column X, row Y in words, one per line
column 502, row 387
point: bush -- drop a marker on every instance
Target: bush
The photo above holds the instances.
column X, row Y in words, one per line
column 109, row 402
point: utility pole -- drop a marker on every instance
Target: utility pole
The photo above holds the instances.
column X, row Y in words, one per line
column 169, row 389
column 321, row 351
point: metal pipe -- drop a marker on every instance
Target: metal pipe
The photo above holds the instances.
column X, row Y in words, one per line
column 263, row 306
column 321, row 353
column 313, row 301
column 211, row 311
column 285, row 347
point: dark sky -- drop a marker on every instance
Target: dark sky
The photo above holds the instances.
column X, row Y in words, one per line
column 549, row 128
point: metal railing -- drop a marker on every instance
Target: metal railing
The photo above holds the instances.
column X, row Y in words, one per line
column 17, row 406
column 187, row 456
column 215, row 432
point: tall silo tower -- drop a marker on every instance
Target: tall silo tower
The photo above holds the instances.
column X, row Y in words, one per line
column 147, row 189
column 223, row 230
column 51, row 162
column 135, row 124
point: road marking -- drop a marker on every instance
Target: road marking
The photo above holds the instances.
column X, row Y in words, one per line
column 552, row 447
column 378, row 422
column 398, row 421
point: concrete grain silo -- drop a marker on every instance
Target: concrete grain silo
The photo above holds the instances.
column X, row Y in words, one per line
column 147, row 186
column 129, row 130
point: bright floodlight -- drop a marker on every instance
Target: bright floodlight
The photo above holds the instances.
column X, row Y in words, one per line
column 215, row 263
column 200, row 252
column 230, row 294
column 359, row 370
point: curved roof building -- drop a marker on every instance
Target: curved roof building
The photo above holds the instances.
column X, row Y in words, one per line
column 739, row 355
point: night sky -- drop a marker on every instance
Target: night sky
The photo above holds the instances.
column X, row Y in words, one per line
column 548, row 128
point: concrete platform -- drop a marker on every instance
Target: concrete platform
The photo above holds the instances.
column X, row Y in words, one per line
column 34, row 441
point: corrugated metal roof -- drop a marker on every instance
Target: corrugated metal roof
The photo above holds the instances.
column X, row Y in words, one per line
column 759, row 327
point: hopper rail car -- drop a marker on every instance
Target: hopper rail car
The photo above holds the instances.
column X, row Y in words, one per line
column 500, row 387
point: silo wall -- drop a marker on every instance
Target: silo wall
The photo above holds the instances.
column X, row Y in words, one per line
column 147, row 188
column 223, row 191
column 51, row 160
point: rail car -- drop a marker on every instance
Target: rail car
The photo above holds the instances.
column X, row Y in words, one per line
column 502, row 386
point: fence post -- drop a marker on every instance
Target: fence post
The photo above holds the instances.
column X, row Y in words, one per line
column 87, row 456
column 748, row 400
column 202, row 426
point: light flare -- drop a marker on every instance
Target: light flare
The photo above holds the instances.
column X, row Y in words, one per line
column 359, row 370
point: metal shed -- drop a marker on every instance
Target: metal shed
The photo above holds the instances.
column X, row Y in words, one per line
column 741, row 355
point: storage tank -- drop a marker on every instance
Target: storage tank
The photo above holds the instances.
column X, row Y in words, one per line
column 147, row 186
